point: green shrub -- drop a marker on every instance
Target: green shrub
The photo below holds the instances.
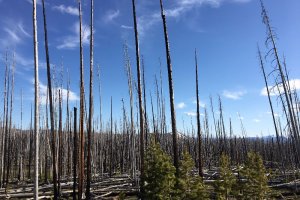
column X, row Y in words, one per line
column 256, row 183
column 159, row 174
column 190, row 186
column 225, row 185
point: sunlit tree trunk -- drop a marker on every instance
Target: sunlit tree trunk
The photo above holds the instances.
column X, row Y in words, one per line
column 36, row 103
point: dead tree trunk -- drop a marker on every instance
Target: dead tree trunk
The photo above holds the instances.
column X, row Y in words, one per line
column 171, row 92
column 111, row 140
column 4, row 123
column 60, row 145
column 88, row 180
column 141, row 110
column 198, row 122
column 82, row 97
column 269, row 99
column 75, row 154
column 132, row 131
column 50, row 96
column 36, row 103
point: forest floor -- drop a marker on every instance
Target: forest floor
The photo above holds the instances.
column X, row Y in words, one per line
column 123, row 187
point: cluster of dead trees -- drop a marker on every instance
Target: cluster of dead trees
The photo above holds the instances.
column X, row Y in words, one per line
column 82, row 149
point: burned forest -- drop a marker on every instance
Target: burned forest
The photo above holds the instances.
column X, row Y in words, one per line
column 136, row 147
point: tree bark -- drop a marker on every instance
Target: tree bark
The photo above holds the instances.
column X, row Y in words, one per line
column 36, row 103
column 171, row 92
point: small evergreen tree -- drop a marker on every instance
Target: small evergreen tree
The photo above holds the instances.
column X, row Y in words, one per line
column 224, row 186
column 190, row 186
column 159, row 174
column 256, row 184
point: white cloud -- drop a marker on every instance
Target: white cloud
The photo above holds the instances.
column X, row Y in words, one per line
column 66, row 9
column 191, row 3
column 126, row 27
column 111, row 15
column 181, row 105
column 43, row 93
column 201, row 104
column 235, row 95
column 191, row 114
column 294, row 83
column 256, row 120
column 275, row 114
column 72, row 41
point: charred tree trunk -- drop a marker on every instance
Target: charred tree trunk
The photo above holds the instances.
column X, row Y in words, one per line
column 198, row 122
column 141, row 110
column 88, row 180
column 171, row 91
column 75, row 154
column 82, row 97
column 50, row 96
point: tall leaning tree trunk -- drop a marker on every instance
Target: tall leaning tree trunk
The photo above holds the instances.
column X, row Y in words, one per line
column 36, row 102
column 81, row 125
column 88, row 179
column 271, row 37
column 141, row 110
column 198, row 122
column 269, row 98
column 54, row 174
column 171, row 92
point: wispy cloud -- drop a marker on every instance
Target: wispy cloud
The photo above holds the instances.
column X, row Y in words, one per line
column 15, row 33
column 181, row 105
column 72, row 41
column 294, row 83
column 21, row 60
column 66, row 9
column 235, row 95
column 126, row 27
column 111, row 15
column 192, row 114
column 179, row 8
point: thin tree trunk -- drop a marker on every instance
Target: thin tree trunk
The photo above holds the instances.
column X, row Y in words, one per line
column 60, row 141
column 3, row 146
column 141, row 110
column 88, row 180
column 171, row 93
column 198, row 122
column 36, row 103
column 111, row 140
column 82, row 97
column 75, row 155
column 269, row 99
column 50, row 96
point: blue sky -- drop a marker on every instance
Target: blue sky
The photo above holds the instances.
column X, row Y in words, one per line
column 225, row 33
